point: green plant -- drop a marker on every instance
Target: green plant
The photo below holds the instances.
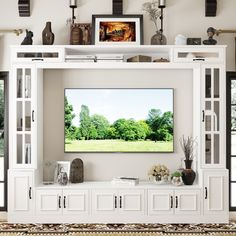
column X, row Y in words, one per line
column 187, row 145
column 176, row 174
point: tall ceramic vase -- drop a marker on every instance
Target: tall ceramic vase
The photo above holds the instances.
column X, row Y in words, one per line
column 47, row 34
column 188, row 175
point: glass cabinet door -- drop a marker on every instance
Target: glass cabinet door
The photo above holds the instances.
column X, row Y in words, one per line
column 211, row 117
column 24, row 111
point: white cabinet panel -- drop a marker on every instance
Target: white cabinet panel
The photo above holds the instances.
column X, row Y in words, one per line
column 131, row 201
column 160, row 202
column 104, row 201
column 187, row 202
column 75, row 202
column 49, row 201
column 215, row 191
column 20, row 191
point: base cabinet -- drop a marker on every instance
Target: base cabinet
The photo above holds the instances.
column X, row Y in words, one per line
column 171, row 202
column 118, row 203
column 215, row 192
column 21, row 194
column 62, row 202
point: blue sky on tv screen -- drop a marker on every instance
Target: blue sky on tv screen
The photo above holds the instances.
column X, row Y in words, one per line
column 120, row 103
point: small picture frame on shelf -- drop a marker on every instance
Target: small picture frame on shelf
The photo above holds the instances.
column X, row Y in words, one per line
column 62, row 166
column 117, row 29
column 80, row 34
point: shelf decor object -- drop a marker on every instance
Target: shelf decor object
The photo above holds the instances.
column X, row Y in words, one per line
column 211, row 7
column 117, row 30
column 24, row 7
column 17, row 32
column 73, row 5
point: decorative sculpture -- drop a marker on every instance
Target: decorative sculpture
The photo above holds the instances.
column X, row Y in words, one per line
column 48, row 35
column 210, row 41
column 77, row 171
column 28, row 38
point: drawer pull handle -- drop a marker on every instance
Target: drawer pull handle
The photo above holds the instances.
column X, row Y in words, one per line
column 64, row 202
column 37, row 59
column 206, row 193
column 203, row 116
column 30, row 193
column 198, row 59
column 171, row 202
column 59, row 202
column 33, row 116
column 120, row 202
column 176, row 202
column 115, row 201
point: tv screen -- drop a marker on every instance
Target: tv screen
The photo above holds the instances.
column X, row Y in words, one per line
column 119, row 120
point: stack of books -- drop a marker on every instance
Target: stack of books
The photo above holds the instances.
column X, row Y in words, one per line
column 125, row 181
column 109, row 57
column 80, row 58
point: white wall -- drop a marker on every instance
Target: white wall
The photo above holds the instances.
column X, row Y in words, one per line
column 186, row 17
column 104, row 166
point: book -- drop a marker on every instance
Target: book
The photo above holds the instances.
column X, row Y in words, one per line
column 125, row 180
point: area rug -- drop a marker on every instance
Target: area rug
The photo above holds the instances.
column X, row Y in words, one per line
column 118, row 229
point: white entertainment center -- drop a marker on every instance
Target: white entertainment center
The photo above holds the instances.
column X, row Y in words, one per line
column 30, row 201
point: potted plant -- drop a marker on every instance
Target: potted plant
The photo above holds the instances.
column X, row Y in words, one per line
column 176, row 178
column 160, row 173
column 152, row 9
column 187, row 145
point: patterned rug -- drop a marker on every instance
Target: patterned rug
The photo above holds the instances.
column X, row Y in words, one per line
column 118, row 229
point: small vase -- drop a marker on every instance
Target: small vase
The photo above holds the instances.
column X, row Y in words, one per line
column 158, row 39
column 177, row 181
column 188, row 175
column 47, row 34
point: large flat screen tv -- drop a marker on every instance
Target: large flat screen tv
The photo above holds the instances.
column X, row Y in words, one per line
column 119, row 120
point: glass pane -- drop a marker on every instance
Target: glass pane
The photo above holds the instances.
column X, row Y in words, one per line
column 216, row 116
column 233, row 117
column 233, row 195
column 1, row 194
column 27, row 83
column 27, row 116
column 233, row 91
column 208, row 83
column 19, row 87
column 233, row 143
column 208, row 106
column 208, row 148
column 216, row 83
column 28, row 149
column 19, row 149
column 233, row 169
column 208, row 123
column 19, row 116
column 216, row 148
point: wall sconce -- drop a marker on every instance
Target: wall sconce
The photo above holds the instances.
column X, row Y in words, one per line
column 162, row 5
column 73, row 5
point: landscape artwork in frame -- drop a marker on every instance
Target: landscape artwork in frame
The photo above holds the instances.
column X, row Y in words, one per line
column 117, row 30
column 119, row 120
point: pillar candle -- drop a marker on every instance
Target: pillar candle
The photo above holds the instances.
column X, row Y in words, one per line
column 73, row 3
column 162, row 3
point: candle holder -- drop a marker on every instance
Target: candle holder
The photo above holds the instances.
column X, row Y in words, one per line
column 73, row 5
column 162, row 5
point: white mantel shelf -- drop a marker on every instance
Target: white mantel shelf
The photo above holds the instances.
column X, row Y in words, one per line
column 109, row 185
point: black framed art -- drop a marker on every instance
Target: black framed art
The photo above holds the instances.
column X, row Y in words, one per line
column 117, row 29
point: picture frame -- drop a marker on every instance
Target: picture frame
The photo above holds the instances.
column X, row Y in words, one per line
column 80, row 34
column 117, row 29
column 66, row 168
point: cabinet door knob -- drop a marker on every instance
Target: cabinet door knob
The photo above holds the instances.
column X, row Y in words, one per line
column 176, row 202
column 120, row 201
column 115, row 201
column 206, row 193
column 59, row 202
column 64, row 202
column 30, row 193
